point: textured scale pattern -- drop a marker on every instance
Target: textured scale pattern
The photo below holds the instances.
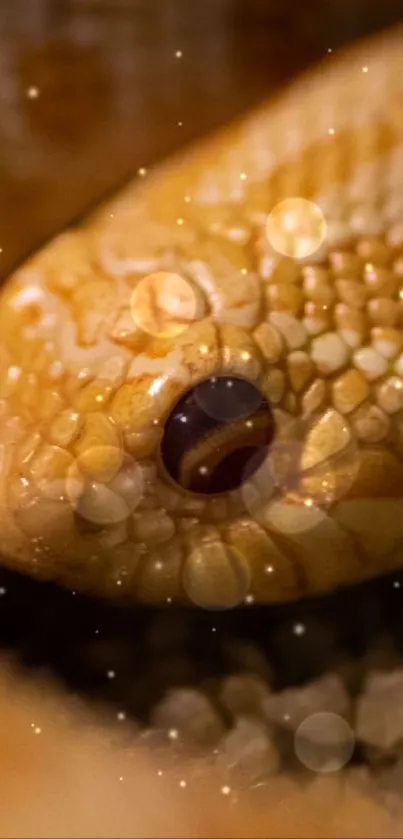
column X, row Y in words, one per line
column 85, row 392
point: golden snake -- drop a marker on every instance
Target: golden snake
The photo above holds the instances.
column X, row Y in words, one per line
column 179, row 280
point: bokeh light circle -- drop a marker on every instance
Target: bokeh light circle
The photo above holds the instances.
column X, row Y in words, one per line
column 228, row 398
column 163, row 305
column 296, row 228
column 324, row 742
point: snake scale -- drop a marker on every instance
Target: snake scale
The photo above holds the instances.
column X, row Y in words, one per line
column 111, row 330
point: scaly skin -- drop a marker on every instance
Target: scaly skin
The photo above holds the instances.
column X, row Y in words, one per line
column 84, row 391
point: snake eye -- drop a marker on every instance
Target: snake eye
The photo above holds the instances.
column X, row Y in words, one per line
column 217, row 435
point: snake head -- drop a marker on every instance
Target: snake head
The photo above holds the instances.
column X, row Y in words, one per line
column 201, row 391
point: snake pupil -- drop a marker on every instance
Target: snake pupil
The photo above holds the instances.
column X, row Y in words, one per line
column 217, row 435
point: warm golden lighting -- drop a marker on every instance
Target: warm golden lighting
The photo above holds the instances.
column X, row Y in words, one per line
column 296, row 228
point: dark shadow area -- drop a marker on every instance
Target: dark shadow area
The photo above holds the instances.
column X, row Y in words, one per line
column 130, row 656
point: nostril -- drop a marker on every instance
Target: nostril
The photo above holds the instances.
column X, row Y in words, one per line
column 217, row 435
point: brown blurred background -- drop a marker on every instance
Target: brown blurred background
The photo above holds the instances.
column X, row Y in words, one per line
column 91, row 90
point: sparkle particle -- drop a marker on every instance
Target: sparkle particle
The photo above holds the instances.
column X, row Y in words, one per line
column 298, row 629
column 331, row 131
column 121, row 716
column 142, row 172
column 33, row 92
column 111, row 674
column 365, row 69
column 180, row 221
column 396, row 584
column 3, row 591
column 173, row 734
column 178, row 54
column 182, row 784
column 225, row 790
column 249, row 598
